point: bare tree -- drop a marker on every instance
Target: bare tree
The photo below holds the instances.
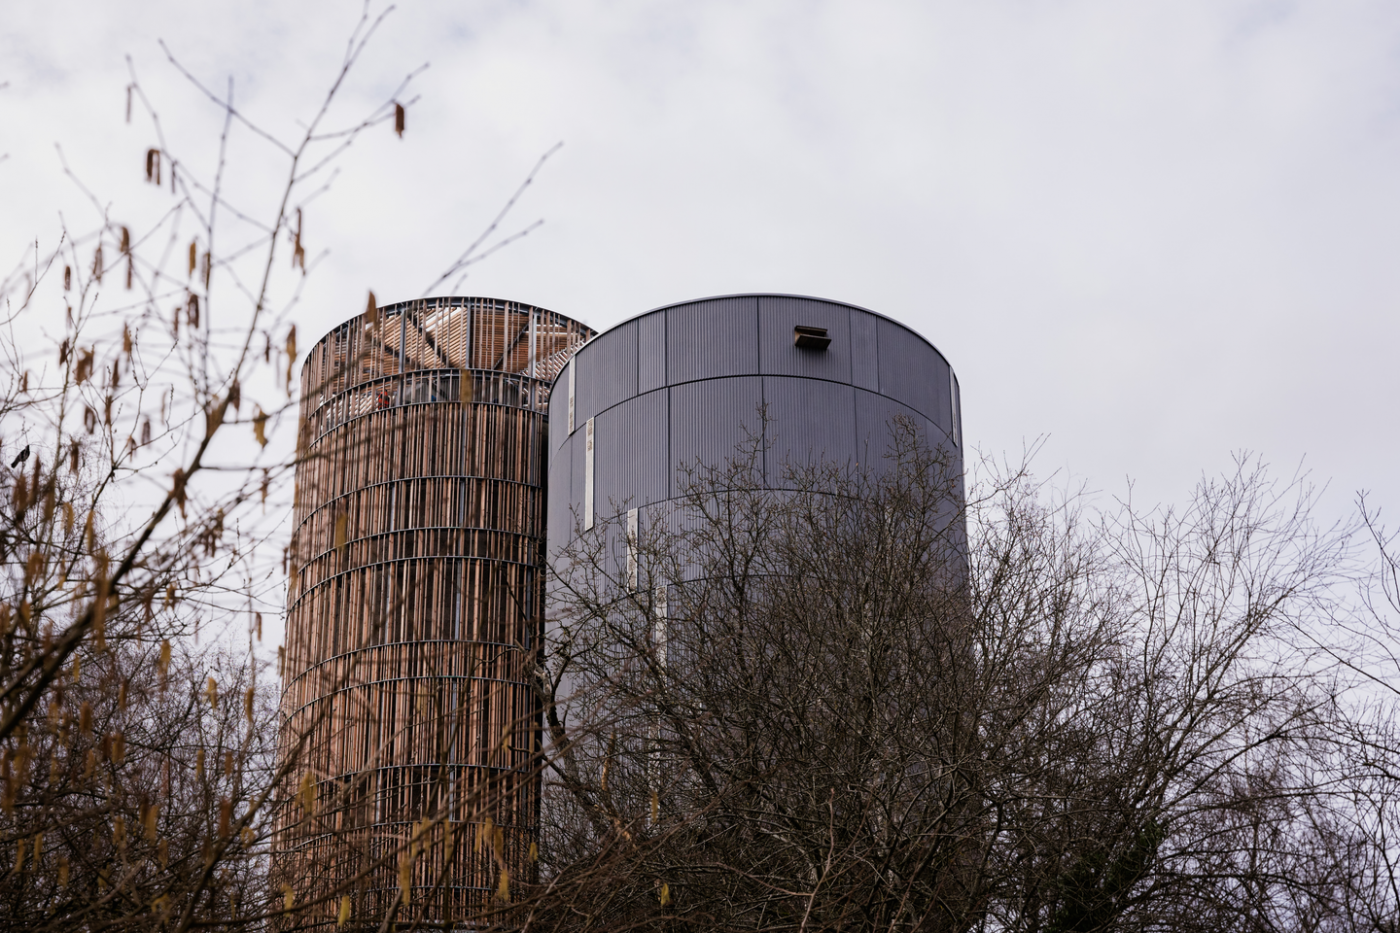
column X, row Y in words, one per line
column 826, row 709
column 147, row 412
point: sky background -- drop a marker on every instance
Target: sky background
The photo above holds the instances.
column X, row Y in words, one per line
column 1154, row 234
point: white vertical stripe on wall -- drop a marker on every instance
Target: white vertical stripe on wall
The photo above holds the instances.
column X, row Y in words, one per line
column 588, row 476
column 573, row 364
column 631, row 549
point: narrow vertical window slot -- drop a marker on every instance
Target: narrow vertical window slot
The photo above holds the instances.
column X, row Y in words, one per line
column 632, row 549
column 588, row 476
column 572, row 366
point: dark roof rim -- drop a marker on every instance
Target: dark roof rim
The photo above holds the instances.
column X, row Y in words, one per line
column 831, row 301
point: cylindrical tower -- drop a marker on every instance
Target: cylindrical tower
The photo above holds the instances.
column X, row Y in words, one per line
column 414, row 607
column 685, row 383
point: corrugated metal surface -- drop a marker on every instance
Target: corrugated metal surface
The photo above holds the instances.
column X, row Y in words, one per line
column 559, row 414
column 651, row 352
column 912, row 372
column 865, row 360
column 559, row 524
column 875, row 432
column 711, row 419
column 575, row 449
column 607, row 372
column 809, row 420
column 956, row 405
column 711, row 338
column 778, row 316
column 631, row 463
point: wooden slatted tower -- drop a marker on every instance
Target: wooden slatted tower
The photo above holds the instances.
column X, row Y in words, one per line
column 414, row 607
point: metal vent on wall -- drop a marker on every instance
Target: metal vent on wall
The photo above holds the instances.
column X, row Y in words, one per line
column 810, row 338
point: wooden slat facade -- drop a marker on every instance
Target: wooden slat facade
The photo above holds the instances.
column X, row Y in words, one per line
column 414, row 604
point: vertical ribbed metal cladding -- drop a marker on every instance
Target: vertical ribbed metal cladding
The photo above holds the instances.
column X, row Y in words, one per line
column 914, row 373
column 414, row 603
column 809, row 420
column 632, row 465
column 712, row 420
column 651, row 351
column 875, row 426
column 779, row 315
column 606, row 373
column 558, row 417
column 707, row 339
column 865, row 359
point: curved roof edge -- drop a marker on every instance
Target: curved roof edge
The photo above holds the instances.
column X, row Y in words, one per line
column 830, row 301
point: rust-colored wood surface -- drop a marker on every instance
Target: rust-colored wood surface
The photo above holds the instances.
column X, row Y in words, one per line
column 414, row 607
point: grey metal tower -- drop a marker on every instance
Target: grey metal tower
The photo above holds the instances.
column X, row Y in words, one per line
column 685, row 383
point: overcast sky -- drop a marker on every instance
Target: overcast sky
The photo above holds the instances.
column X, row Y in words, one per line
column 1157, row 232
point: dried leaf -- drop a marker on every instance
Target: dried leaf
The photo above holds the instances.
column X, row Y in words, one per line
column 179, row 491
column 298, row 251
column 372, row 311
column 341, row 521
column 291, row 355
column 398, row 119
column 260, row 430
column 503, row 887
column 344, row 916
column 211, row 690
column 664, row 895
column 307, row 793
column 194, row 257
column 67, row 278
column 406, row 874
column 152, row 822
column 248, row 705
